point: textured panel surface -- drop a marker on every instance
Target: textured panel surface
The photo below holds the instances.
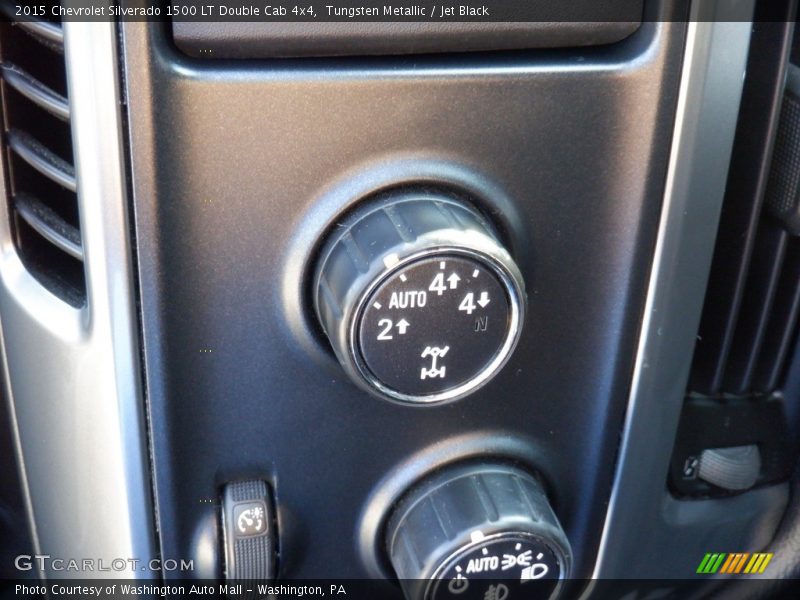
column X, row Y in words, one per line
column 238, row 170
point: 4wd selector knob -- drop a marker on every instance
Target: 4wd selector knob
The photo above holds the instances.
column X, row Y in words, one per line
column 477, row 531
column 419, row 299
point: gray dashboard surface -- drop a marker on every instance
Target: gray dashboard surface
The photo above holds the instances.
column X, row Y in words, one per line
column 264, row 39
column 239, row 168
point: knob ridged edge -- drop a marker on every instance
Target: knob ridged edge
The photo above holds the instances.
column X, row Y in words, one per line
column 367, row 245
column 439, row 517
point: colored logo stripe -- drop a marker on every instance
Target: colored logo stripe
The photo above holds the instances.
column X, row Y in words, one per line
column 711, row 563
column 734, row 563
column 758, row 563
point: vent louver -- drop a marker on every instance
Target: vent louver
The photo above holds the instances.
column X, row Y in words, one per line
column 750, row 318
column 748, row 329
column 37, row 150
column 734, row 433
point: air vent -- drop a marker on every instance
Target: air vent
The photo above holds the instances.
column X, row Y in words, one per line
column 37, row 150
column 749, row 323
column 734, row 435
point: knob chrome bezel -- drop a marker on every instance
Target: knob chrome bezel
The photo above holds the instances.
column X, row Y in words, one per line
column 472, row 245
column 458, row 511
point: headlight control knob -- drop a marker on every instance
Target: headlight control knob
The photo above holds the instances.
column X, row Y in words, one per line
column 479, row 532
column 419, row 299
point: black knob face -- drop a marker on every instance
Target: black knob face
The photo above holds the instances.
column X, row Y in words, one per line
column 476, row 532
column 509, row 565
column 435, row 324
column 418, row 298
